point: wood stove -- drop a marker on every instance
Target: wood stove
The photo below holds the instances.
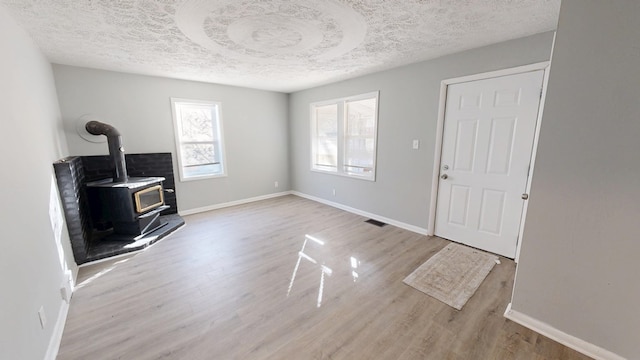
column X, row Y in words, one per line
column 131, row 207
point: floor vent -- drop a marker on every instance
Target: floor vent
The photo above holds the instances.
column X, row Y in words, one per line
column 375, row 222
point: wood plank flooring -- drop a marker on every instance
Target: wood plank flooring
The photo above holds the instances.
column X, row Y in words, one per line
column 288, row 278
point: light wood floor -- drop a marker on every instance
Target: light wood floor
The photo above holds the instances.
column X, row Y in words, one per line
column 232, row 284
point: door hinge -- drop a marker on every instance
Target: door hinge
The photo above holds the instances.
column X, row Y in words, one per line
column 541, row 90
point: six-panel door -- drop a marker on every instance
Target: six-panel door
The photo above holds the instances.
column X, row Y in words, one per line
column 488, row 137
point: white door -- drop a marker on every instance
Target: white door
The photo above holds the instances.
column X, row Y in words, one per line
column 487, row 142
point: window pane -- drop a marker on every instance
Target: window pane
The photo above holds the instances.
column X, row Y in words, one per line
column 327, row 120
column 326, row 156
column 198, row 154
column 202, row 170
column 360, row 129
column 197, row 123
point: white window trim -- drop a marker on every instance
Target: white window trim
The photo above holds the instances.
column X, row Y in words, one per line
column 176, row 128
column 341, row 124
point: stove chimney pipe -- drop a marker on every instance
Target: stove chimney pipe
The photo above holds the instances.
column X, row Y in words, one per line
column 116, row 150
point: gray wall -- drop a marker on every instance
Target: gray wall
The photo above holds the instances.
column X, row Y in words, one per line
column 579, row 266
column 255, row 128
column 408, row 109
column 33, row 258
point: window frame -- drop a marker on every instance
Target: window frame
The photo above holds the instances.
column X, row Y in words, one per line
column 177, row 126
column 341, row 135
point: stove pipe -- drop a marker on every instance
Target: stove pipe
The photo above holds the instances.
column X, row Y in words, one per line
column 116, row 150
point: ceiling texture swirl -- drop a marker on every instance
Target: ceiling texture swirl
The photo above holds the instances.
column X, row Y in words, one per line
column 279, row 45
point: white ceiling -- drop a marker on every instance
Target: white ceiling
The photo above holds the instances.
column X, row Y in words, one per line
column 281, row 45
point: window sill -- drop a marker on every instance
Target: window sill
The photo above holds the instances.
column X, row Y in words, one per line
column 203, row 177
column 372, row 178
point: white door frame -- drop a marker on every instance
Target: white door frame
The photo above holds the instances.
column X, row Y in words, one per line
column 440, row 133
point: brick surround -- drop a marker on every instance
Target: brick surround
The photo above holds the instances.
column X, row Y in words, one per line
column 74, row 172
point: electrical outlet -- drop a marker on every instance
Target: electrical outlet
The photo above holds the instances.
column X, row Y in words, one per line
column 43, row 317
column 416, row 144
column 334, row 192
column 276, row 184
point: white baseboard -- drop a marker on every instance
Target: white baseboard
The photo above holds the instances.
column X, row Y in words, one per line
column 563, row 338
column 232, row 203
column 56, row 337
column 387, row 220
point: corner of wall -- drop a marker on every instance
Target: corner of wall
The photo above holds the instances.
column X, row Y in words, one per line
column 561, row 337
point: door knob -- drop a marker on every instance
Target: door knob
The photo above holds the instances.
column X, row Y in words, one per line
column 444, row 176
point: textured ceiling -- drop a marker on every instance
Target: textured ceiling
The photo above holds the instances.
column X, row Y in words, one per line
column 276, row 45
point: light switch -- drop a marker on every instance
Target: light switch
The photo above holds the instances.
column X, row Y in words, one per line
column 416, row 144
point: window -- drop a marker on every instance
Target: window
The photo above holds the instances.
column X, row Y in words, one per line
column 198, row 127
column 343, row 136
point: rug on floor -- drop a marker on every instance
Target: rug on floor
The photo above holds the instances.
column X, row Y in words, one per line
column 453, row 274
